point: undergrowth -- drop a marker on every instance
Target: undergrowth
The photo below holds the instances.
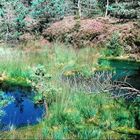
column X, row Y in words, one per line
column 72, row 113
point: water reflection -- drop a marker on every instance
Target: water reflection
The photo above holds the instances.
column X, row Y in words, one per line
column 22, row 111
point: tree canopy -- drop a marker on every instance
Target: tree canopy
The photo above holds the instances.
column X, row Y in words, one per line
column 15, row 15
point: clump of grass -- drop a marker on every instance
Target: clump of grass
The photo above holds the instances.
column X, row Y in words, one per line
column 79, row 115
column 16, row 63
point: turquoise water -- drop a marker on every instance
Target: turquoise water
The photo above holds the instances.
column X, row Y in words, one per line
column 128, row 71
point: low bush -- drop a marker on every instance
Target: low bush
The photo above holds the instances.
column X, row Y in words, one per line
column 114, row 47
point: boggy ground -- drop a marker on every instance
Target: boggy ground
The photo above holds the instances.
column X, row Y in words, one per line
column 72, row 113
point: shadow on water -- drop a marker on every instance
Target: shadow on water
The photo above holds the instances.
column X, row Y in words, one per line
column 21, row 111
column 127, row 70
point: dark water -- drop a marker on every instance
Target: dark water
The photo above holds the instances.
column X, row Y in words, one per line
column 125, row 70
column 21, row 111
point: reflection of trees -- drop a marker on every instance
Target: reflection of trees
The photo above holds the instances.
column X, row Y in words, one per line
column 36, row 106
column 19, row 103
column 19, row 99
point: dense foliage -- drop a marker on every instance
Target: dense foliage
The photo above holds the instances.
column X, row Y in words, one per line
column 114, row 47
column 18, row 16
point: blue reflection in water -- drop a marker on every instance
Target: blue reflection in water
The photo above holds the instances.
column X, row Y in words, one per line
column 22, row 111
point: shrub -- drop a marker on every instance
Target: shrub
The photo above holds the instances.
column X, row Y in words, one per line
column 125, row 10
column 41, row 84
column 114, row 47
column 13, row 14
column 12, row 17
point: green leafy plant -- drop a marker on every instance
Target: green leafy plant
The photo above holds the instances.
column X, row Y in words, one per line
column 114, row 47
column 125, row 10
column 41, row 83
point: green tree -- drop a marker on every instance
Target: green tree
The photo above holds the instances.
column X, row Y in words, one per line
column 125, row 9
column 12, row 17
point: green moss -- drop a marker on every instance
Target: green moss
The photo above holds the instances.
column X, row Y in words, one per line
column 15, row 82
column 129, row 131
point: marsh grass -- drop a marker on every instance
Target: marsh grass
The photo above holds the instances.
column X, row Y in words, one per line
column 78, row 115
column 15, row 62
column 74, row 113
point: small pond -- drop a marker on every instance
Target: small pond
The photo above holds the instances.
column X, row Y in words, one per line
column 125, row 69
column 21, row 111
column 112, row 74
